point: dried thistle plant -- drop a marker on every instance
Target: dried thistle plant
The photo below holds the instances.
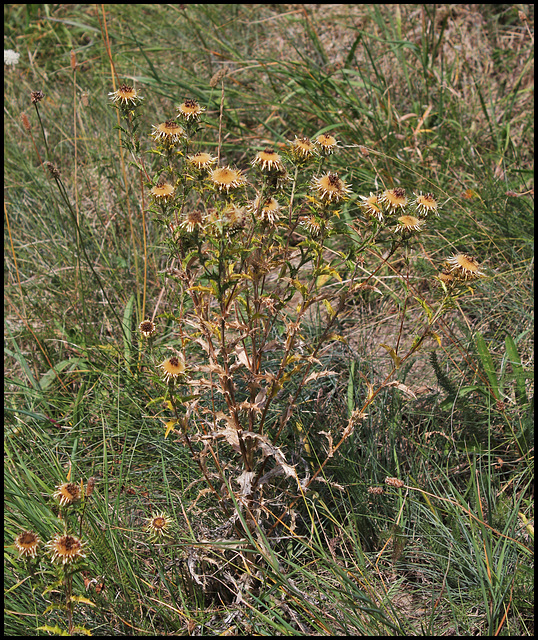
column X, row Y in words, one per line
column 253, row 254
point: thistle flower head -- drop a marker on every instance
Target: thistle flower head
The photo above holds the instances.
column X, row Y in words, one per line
column 463, row 267
column 158, row 526
column 173, row 368
column 193, row 220
column 267, row 210
column 311, row 224
column 226, row 178
column 426, row 204
column 163, row 191
column 126, row 96
column 234, row 217
column 169, row 132
column 202, row 160
column 147, row 328
column 27, row 544
column 325, row 143
column 409, row 224
column 68, row 493
column 268, row 160
column 302, row 148
column 190, row 110
column 66, row 549
column 371, row 206
column 394, row 199
column 330, row 188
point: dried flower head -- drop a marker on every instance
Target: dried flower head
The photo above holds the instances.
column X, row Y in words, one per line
column 463, row 267
column 25, row 122
column 372, row 206
column 27, row 544
column 90, row 486
column 173, row 368
column 234, row 217
column 409, row 224
column 302, row 148
column 266, row 211
column 268, row 160
column 394, row 199
column 66, row 548
column 163, row 191
column 447, row 278
column 36, row 96
column 202, row 160
column 330, row 188
column 67, row 493
column 169, row 132
column 326, row 143
column 190, row 110
column 311, row 224
column 375, row 491
column 193, row 220
column 426, row 204
column 158, row 526
column 52, row 169
column 126, row 96
column 11, row 58
column 226, row 178
column 147, row 328
column 395, row 482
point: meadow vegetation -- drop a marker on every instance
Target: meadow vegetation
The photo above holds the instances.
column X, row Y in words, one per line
column 268, row 319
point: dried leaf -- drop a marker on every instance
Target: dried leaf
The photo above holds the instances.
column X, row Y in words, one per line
column 401, row 387
column 319, row 374
column 245, row 482
column 395, row 357
column 242, row 355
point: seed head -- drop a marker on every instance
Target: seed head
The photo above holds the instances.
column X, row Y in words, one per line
column 395, row 482
column 36, row 96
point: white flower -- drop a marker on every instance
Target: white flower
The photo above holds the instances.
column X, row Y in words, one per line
column 11, row 57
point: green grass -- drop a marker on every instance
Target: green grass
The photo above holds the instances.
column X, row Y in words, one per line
column 427, row 98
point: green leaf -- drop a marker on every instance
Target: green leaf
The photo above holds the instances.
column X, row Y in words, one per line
column 127, row 332
column 351, row 389
column 52, row 374
column 487, row 363
column 519, row 373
